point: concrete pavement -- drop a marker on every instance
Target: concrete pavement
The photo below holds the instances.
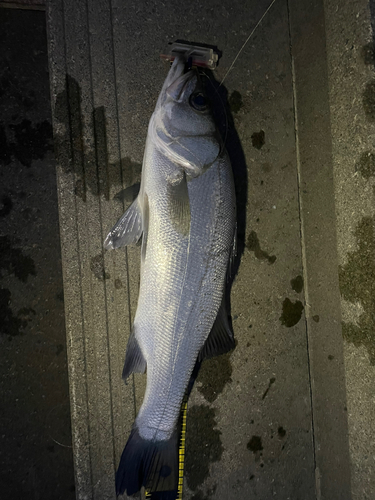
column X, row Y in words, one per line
column 288, row 413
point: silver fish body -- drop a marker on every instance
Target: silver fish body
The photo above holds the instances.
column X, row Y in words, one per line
column 186, row 213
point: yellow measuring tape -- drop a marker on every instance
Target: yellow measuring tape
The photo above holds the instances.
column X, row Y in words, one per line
column 181, row 453
column 181, row 449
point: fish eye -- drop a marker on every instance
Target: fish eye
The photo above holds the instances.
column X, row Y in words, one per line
column 198, row 101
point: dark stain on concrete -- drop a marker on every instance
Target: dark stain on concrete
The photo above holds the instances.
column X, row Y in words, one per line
column 266, row 167
column 129, row 194
column 253, row 245
column 80, row 189
column 235, row 101
column 316, row 318
column 59, row 349
column 281, row 432
column 118, row 284
column 11, row 324
column 258, row 139
column 5, row 149
column 34, row 376
column 272, row 381
column 75, row 124
column 297, row 284
column 15, row 87
column 97, row 267
column 368, row 100
column 14, row 261
column 132, row 173
column 6, row 206
column 203, row 444
column 330, row 357
column 100, row 134
column 366, row 165
column 357, row 278
column 62, row 141
column 255, row 444
column 368, row 54
column 199, row 495
column 214, row 374
column 31, row 142
column 70, row 146
column 292, row 312
column 89, row 166
column 25, row 142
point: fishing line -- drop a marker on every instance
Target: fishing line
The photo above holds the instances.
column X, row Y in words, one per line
column 248, row 38
column 216, row 90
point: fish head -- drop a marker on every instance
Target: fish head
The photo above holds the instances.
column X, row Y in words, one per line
column 182, row 126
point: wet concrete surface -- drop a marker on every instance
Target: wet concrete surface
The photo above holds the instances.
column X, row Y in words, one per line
column 265, row 420
column 352, row 75
column 102, row 102
column 36, row 459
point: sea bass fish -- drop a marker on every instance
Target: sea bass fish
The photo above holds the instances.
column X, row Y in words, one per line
column 186, row 214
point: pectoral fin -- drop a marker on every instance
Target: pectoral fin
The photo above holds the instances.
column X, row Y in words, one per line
column 179, row 206
column 128, row 229
column 220, row 339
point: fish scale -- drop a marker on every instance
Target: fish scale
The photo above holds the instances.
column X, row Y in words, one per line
column 172, row 334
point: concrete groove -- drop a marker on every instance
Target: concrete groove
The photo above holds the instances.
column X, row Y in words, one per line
column 121, row 177
column 327, row 381
column 303, row 249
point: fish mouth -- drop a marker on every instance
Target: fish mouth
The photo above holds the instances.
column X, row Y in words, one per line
column 180, row 73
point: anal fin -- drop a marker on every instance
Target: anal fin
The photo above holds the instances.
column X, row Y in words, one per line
column 134, row 359
column 220, row 339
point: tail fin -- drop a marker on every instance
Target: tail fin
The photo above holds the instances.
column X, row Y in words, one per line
column 156, row 465
column 152, row 464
